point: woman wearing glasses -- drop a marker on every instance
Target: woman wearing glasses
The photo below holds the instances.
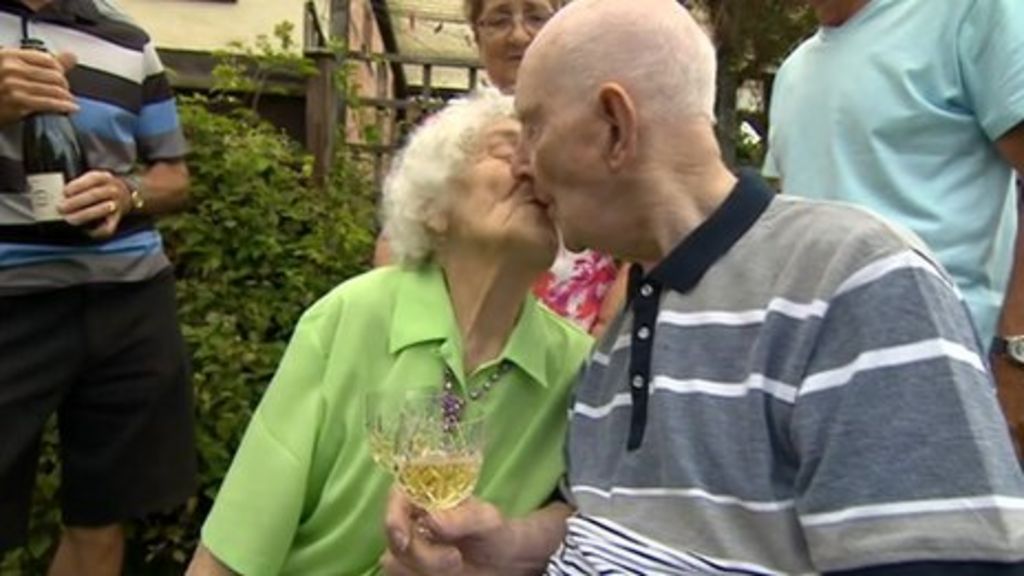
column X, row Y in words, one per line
column 503, row 29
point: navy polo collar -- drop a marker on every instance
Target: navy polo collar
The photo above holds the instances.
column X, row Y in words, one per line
column 681, row 271
column 683, row 268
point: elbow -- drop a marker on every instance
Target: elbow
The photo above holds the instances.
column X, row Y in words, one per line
column 183, row 190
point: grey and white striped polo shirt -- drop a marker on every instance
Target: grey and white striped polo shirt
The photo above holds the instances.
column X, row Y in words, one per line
column 797, row 388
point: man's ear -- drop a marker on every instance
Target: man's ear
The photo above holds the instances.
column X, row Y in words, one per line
column 617, row 110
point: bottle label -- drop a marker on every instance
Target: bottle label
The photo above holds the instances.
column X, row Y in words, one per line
column 46, row 191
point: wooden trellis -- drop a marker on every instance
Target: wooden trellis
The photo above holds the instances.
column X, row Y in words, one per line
column 394, row 107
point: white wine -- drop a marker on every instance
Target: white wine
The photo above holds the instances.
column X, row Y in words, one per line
column 382, row 450
column 51, row 156
column 439, row 482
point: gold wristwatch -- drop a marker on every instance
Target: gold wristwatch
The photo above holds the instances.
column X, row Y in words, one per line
column 134, row 184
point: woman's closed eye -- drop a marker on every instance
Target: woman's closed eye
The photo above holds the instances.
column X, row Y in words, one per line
column 502, row 145
column 502, row 150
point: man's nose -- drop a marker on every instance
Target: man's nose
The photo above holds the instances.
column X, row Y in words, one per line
column 521, row 168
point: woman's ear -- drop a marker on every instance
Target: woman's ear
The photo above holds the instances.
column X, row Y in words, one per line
column 619, row 114
column 437, row 224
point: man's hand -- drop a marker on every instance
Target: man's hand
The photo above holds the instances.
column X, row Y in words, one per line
column 33, row 81
column 97, row 199
column 472, row 539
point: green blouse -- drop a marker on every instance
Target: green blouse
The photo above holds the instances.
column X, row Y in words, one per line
column 303, row 495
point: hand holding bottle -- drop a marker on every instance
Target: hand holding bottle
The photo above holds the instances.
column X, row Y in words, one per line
column 97, row 200
column 33, row 81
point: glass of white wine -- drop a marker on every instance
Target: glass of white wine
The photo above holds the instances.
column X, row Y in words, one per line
column 437, row 460
column 382, row 419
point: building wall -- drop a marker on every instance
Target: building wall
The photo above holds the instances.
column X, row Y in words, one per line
column 212, row 24
column 364, row 36
column 207, row 25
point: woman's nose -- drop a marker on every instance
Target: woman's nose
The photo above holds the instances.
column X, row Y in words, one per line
column 520, row 35
column 521, row 168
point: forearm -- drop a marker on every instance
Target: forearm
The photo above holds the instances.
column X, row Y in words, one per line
column 1009, row 376
column 533, row 539
column 165, row 188
column 204, row 563
column 1011, row 320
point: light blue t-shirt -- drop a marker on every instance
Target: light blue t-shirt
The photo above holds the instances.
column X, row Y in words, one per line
column 897, row 110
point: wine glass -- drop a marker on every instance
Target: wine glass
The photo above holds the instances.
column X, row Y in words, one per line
column 438, row 459
column 381, row 420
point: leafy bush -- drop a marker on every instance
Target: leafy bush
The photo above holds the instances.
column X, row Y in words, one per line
column 258, row 245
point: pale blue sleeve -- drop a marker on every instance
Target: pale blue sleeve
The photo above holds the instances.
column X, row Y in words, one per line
column 772, row 166
column 991, row 50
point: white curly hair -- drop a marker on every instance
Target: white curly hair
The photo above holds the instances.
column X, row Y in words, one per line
column 418, row 187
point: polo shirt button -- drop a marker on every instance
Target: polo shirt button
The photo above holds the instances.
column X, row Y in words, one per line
column 643, row 333
column 646, row 290
column 638, row 381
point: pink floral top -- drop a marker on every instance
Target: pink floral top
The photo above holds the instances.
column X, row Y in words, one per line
column 576, row 285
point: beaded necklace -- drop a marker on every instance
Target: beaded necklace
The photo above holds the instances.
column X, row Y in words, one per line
column 453, row 405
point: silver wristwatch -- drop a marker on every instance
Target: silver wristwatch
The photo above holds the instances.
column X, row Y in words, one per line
column 1010, row 346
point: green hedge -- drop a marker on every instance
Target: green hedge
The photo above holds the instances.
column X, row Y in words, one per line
column 258, row 245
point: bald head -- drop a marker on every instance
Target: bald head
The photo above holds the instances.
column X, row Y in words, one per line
column 652, row 48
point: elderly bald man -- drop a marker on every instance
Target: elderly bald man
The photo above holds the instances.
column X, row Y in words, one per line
column 795, row 386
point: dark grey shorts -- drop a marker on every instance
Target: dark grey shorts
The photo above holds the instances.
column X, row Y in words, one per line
column 110, row 361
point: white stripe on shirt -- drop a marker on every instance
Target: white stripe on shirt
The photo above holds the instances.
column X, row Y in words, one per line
column 688, row 493
column 915, row 507
column 888, row 357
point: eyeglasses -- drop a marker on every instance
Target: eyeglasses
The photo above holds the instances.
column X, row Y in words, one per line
column 502, row 23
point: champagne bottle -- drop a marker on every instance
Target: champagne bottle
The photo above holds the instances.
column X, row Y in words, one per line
column 51, row 155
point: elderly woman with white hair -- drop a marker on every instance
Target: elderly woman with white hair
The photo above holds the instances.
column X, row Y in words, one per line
column 584, row 286
column 303, row 495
